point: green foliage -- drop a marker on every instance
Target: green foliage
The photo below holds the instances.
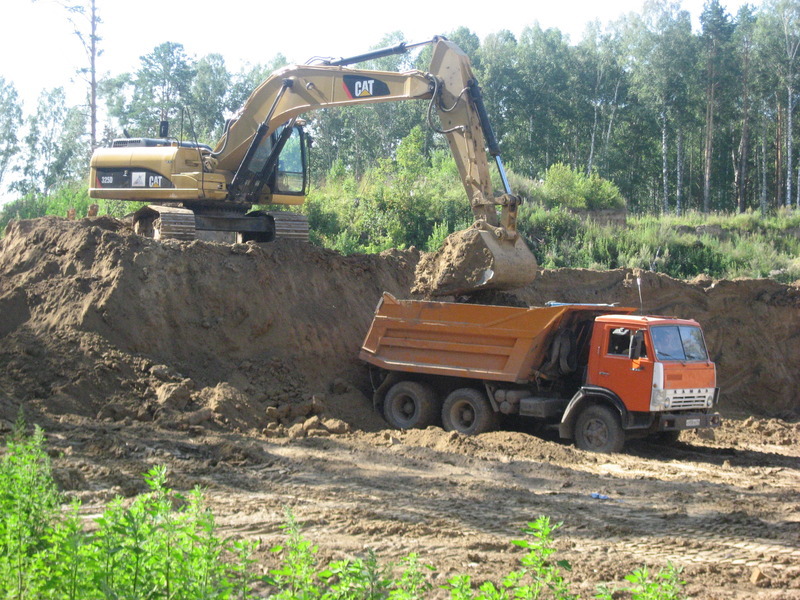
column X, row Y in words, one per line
column 415, row 199
column 55, row 147
column 158, row 90
column 665, row 584
column 723, row 247
column 538, row 576
column 161, row 544
column 29, row 502
column 10, row 119
column 59, row 202
column 566, row 187
column 300, row 577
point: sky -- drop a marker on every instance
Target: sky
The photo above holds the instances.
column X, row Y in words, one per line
column 38, row 50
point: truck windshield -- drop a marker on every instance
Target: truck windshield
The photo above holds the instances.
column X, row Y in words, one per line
column 679, row 342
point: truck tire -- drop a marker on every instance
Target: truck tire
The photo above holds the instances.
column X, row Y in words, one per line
column 468, row 411
column 410, row 405
column 598, row 429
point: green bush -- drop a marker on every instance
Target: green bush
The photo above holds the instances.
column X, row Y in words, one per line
column 160, row 545
column 568, row 188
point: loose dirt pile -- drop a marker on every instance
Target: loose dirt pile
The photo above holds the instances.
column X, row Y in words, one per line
column 235, row 365
column 471, row 259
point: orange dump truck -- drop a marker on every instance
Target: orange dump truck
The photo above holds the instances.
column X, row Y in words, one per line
column 597, row 373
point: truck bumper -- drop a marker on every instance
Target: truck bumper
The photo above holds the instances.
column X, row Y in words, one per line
column 677, row 422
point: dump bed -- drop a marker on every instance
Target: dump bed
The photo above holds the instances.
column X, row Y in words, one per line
column 499, row 343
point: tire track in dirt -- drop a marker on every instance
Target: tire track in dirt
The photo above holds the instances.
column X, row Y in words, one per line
column 483, row 504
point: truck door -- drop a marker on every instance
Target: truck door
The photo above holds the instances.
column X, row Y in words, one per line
column 611, row 367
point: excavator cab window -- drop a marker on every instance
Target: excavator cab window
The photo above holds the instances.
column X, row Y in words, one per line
column 291, row 174
column 278, row 161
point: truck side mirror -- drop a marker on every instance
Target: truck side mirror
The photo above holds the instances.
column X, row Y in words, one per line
column 637, row 343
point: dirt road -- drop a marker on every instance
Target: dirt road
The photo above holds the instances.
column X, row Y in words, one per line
column 236, row 367
column 722, row 509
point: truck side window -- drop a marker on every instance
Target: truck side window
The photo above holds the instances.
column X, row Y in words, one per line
column 619, row 342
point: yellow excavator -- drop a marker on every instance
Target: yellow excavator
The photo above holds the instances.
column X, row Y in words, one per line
column 261, row 158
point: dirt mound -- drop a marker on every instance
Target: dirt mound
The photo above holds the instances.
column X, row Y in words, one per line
column 98, row 322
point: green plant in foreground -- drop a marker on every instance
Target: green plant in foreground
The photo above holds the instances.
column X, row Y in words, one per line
column 539, row 577
column 357, row 578
column 160, row 545
column 29, row 502
column 665, row 584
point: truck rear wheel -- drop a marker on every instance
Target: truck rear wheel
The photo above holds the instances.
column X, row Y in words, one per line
column 598, row 429
column 410, row 405
column 468, row 411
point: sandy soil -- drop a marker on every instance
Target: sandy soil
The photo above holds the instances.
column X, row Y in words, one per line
column 236, row 367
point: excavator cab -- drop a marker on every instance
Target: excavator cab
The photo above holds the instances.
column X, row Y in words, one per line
column 277, row 161
column 275, row 172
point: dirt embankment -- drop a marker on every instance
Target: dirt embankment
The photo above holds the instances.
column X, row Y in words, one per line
column 93, row 317
column 235, row 365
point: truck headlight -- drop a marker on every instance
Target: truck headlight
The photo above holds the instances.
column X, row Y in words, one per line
column 659, row 400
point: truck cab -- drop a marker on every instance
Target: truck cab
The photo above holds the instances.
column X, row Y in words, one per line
column 653, row 371
column 652, row 363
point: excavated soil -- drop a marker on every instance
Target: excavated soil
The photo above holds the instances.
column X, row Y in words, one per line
column 236, row 366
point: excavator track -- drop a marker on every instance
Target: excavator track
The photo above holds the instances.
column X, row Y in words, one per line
column 174, row 223
column 165, row 223
column 288, row 225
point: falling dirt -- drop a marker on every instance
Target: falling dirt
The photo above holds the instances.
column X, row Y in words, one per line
column 236, row 366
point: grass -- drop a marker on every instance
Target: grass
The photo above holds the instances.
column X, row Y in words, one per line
column 721, row 246
column 166, row 545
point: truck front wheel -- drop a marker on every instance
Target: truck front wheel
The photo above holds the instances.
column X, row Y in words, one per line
column 410, row 405
column 598, row 429
column 468, row 411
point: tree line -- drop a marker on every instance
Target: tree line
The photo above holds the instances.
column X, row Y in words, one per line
column 679, row 119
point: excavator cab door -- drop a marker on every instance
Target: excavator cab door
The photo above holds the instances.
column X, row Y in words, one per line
column 291, row 174
column 279, row 161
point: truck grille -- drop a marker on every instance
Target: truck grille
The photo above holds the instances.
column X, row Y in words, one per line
column 686, row 399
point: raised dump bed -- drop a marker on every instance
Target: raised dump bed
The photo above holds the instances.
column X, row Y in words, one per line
column 500, row 343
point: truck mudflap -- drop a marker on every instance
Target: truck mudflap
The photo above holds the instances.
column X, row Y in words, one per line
column 679, row 421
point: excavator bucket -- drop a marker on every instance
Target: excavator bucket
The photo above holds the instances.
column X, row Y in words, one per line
column 475, row 259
